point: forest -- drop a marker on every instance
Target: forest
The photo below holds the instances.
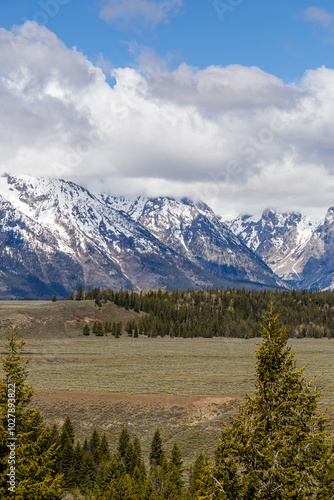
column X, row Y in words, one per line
column 216, row 313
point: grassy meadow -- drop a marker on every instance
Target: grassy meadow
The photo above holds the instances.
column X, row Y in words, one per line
column 183, row 386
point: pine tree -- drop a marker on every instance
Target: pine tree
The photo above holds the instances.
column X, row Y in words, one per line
column 103, row 452
column 67, row 431
column 114, row 329
column 94, row 443
column 66, row 459
column 136, row 456
column 139, row 481
column 118, row 329
column 128, row 459
column 174, row 483
column 98, row 303
column 277, row 447
column 123, row 442
column 77, row 464
column 87, row 472
column 99, row 330
column 86, row 330
column 150, row 491
column 80, row 293
column 156, row 454
column 197, row 472
column 35, row 454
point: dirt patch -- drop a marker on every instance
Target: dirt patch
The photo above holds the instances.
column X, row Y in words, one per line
column 212, row 401
column 194, row 422
column 141, row 399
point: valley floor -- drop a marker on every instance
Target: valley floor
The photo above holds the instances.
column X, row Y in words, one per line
column 183, row 386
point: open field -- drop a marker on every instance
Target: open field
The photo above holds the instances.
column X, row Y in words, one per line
column 183, row 386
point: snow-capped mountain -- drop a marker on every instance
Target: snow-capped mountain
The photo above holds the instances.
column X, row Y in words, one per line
column 55, row 235
column 196, row 232
column 297, row 248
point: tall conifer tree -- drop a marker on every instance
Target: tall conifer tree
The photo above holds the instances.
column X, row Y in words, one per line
column 278, row 447
column 35, row 454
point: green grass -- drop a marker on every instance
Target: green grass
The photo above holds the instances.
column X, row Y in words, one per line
column 183, row 386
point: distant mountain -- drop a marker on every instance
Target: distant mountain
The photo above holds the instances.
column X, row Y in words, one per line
column 55, row 235
column 299, row 249
column 198, row 234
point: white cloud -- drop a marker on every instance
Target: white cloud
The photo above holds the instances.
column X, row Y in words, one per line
column 237, row 137
column 321, row 16
column 147, row 12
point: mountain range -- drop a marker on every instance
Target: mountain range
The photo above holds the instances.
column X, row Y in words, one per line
column 56, row 235
column 298, row 248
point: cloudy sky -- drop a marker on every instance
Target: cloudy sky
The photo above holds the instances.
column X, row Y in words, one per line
column 231, row 102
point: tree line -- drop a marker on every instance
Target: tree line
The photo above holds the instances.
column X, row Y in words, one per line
column 219, row 313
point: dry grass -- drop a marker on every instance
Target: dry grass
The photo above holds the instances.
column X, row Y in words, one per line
column 183, row 386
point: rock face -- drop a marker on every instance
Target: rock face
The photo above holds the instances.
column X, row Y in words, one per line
column 299, row 249
column 55, row 235
column 198, row 234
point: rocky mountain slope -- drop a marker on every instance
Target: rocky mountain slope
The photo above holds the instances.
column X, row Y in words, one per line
column 297, row 248
column 198, row 234
column 55, row 235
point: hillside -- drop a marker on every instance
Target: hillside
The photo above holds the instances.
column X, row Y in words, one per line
column 62, row 319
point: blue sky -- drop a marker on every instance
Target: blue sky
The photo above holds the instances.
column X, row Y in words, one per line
column 278, row 37
column 227, row 101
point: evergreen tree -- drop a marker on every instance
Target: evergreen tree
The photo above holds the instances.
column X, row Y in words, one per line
column 139, row 481
column 114, row 329
column 98, row 302
column 94, row 443
column 54, row 298
column 86, row 330
column 78, row 464
column 107, row 327
column 87, row 472
column 118, row 329
column 80, row 293
column 156, row 454
column 67, row 431
column 121, row 488
column 136, row 458
column 103, row 452
column 128, row 459
column 99, row 330
column 150, row 491
column 54, row 436
column 35, row 476
column 66, row 452
column 123, row 442
column 277, row 447
column 174, row 484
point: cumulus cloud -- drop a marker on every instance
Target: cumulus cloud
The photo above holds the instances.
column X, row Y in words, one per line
column 147, row 12
column 236, row 137
column 321, row 16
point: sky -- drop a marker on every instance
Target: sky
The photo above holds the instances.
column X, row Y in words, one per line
column 229, row 102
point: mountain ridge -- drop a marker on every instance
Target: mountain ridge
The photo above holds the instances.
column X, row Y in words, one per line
column 298, row 248
column 55, row 235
